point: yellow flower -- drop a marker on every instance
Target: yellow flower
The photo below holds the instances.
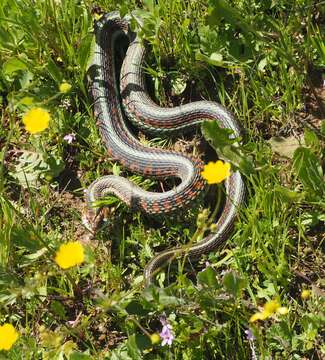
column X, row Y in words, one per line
column 98, row 16
column 70, row 254
column 305, row 294
column 271, row 307
column 282, row 310
column 257, row 316
column 36, row 120
column 155, row 338
column 8, row 336
column 65, row 87
column 215, row 173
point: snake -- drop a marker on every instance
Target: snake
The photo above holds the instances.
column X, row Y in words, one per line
column 121, row 95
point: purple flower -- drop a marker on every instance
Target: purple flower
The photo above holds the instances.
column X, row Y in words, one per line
column 69, row 138
column 166, row 334
column 249, row 335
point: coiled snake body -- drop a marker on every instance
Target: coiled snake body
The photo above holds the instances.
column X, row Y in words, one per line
column 126, row 149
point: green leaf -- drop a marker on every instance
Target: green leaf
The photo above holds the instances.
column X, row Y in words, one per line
column 142, row 341
column 85, row 51
column 58, row 309
column 149, row 4
column 5, row 38
column 25, row 237
column 28, row 168
column 286, row 194
column 13, row 65
column 233, row 283
column 7, row 280
column 135, row 308
column 309, row 170
column 217, row 136
column 261, row 65
column 178, row 85
column 212, row 61
column 26, row 79
column 216, row 59
column 312, row 140
column 80, row 356
column 221, row 9
column 37, row 254
column 208, row 277
column 26, row 100
column 107, row 201
column 120, row 353
column 312, row 218
column 54, row 71
column 133, row 349
column 55, row 164
column 226, row 146
column 160, row 296
column 116, row 169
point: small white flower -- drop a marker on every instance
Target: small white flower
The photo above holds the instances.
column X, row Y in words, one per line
column 69, row 138
column 65, row 104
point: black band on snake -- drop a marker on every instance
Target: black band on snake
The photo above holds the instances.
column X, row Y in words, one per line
column 128, row 151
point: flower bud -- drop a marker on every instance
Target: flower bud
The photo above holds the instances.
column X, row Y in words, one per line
column 155, row 338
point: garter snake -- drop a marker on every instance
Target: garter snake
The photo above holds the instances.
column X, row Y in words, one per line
column 124, row 147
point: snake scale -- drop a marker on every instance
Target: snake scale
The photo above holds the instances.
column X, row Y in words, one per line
column 124, row 147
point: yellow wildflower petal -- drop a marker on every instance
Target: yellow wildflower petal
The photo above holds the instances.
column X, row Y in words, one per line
column 305, row 294
column 215, row 173
column 65, row 87
column 271, row 307
column 257, row 316
column 283, row 310
column 36, row 120
column 155, row 338
column 8, row 336
column 98, row 16
column 70, row 254
column 264, row 315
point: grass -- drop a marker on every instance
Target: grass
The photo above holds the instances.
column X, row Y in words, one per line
column 265, row 62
